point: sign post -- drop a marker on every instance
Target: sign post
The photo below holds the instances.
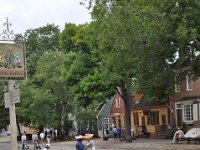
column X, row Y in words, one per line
column 12, row 65
column 13, row 125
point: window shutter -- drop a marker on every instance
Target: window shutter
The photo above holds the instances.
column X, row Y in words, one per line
column 195, row 112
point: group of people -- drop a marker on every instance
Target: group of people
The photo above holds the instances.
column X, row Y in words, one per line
column 88, row 146
column 118, row 133
column 35, row 139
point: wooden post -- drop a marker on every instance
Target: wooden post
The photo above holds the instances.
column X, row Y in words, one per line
column 13, row 124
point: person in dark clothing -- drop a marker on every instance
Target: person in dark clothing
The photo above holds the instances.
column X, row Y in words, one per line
column 107, row 132
column 119, row 133
column 79, row 145
column 45, row 133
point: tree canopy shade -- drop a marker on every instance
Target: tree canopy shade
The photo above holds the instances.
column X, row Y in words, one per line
column 168, row 28
column 116, row 39
column 135, row 38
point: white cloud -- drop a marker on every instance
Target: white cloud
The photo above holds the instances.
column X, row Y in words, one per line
column 27, row 14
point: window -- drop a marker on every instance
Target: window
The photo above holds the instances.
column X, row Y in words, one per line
column 106, row 123
column 189, row 82
column 136, row 119
column 117, row 101
column 136, row 98
column 153, row 118
column 177, row 84
column 188, row 112
column 114, row 120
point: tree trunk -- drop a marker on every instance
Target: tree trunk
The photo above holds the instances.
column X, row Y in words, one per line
column 60, row 132
column 127, row 102
column 127, row 120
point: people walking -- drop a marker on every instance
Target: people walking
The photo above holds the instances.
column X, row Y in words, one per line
column 35, row 140
column 90, row 143
column 115, row 133
column 24, row 142
column 48, row 137
column 42, row 136
column 79, row 145
column 119, row 132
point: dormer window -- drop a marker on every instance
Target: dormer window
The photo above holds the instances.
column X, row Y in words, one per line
column 189, row 82
column 137, row 98
column 117, row 102
column 177, row 84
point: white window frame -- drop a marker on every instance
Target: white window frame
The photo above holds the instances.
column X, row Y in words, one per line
column 106, row 122
column 189, row 111
column 177, row 84
column 117, row 102
column 189, row 82
column 188, row 115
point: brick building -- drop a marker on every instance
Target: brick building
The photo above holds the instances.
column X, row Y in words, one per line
column 184, row 104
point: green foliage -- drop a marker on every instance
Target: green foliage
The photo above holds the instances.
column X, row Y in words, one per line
column 45, row 99
column 127, row 40
column 82, row 73
column 4, row 112
column 39, row 41
column 84, row 116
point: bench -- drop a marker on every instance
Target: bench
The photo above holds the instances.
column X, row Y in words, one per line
column 188, row 139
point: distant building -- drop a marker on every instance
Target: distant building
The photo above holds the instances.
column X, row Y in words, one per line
column 103, row 117
column 148, row 117
column 185, row 103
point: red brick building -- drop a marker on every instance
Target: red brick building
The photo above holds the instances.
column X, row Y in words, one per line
column 117, row 111
column 185, row 103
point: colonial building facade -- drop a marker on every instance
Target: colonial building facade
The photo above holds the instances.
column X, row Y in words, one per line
column 185, row 103
column 148, row 117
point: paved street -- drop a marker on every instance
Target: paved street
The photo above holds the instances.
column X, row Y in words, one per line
column 139, row 144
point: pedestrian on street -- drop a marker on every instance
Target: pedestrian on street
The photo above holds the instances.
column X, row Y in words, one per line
column 115, row 133
column 35, row 139
column 79, row 145
column 42, row 136
column 119, row 132
column 48, row 137
column 90, row 143
column 23, row 138
column 178, row 134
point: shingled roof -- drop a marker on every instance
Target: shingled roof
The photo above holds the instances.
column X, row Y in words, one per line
column 145, row 102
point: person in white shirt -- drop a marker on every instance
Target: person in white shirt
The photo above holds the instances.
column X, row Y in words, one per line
column 23, row 138
column 35, row 139
column 90, row 144
column 42, row 135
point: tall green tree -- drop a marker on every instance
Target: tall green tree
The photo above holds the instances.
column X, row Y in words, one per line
column 38, row 41
column 83, row 74
column 117, row 26
column 46, row 100
column 167, row 28
column 138, row 38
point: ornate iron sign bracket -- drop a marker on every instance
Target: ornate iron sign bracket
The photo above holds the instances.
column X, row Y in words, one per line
column 7, row 35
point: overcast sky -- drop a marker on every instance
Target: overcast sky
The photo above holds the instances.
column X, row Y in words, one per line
column 30, row 14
